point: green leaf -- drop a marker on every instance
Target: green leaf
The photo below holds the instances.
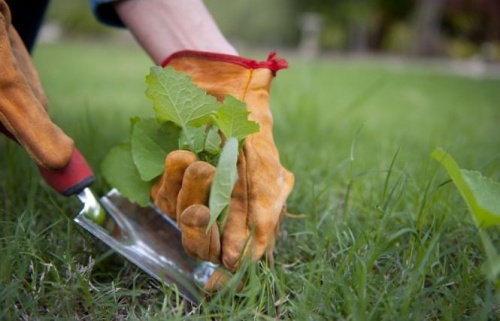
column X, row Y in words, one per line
column 186, row 118
column 232, row 119
column 226, row 175
column 175, row 98
column 193, row 139
column 151, row 142
column 213, row 141
column 120, row 172
column 481, row 194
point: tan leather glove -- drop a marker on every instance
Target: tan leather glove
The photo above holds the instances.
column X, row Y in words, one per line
column 258, row 199
column 23, row 103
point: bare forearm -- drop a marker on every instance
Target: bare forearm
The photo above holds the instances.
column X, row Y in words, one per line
column 163, row 27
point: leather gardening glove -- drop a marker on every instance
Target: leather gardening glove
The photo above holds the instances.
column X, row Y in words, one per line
column 23, row 103
column 258, row 199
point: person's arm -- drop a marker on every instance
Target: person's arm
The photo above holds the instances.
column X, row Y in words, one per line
column 163, row 27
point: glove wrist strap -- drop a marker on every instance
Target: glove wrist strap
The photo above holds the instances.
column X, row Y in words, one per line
column 272, row 63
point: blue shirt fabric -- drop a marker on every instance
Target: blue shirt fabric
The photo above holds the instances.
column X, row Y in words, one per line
column 104, row 12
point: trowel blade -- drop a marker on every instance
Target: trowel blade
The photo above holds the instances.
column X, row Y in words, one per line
column 150, row 240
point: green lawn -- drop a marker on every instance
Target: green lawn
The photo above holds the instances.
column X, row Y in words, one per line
column 376, row 230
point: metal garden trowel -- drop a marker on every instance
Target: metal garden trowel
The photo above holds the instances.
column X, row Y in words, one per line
column 142, row 235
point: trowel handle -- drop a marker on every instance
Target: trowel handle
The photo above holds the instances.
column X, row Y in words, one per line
column 69, row 180
column 73, row 178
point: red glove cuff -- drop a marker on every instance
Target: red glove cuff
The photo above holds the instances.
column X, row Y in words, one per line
column 272, row 63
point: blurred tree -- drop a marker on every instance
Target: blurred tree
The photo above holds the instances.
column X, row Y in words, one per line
column 428, row 15
column 75, row 18
column 472, row 26
column 258, row 22
column 365, row 23
column 424, row 27
column 394, row 32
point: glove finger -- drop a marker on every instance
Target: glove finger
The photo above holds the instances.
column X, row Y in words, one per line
column 195, row 239
column 272, row 239
column 196, row 185
column 253, row 221
column 267, row 225
column 217, row 281
column 236, row 230
column 27, row 67
column 164, row 192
